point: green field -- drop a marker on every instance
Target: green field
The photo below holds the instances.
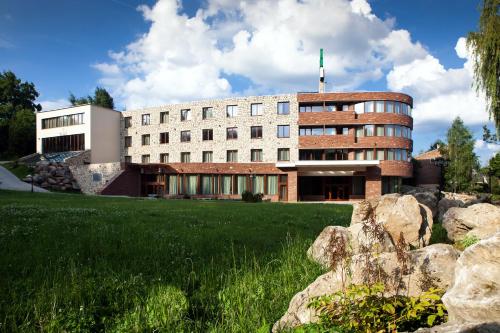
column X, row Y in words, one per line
column 77, row 263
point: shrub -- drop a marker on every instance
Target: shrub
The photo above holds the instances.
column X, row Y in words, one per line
column 468, row 241
column 364, row 308
column 248, row 196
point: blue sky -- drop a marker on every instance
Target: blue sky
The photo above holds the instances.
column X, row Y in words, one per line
column 145, row 56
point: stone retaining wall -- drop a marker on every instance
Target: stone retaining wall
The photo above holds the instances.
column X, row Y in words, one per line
column 93, row 177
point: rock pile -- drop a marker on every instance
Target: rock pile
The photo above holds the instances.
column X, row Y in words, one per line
column 54, row 176
column 480, row 221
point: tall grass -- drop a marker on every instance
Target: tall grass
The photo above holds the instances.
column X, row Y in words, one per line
column 76, row 263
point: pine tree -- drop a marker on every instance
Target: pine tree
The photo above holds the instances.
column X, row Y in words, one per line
column 462, row 159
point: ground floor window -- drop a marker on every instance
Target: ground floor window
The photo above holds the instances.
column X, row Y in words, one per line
column 391, row 184
column 258, row 184
column 272, row 185
column 358, row 185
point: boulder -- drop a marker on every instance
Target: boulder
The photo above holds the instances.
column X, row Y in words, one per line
column 75, row 186
column 450, row 327
column 479, row 220
column 404, row 214
column 51, row 181
column 425, row 196
column 475, row 293
column 451, row 200
column 433, row 266
column 324, row 247
column 362, row 210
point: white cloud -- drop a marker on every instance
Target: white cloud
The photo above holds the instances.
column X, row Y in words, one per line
column 48, row 105
column 486, row 150
column 274, row 44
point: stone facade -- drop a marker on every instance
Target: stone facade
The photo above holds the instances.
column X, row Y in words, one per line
column 269, row 143
column 92, row 178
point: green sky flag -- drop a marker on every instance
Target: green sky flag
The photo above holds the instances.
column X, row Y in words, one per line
column 320, row 57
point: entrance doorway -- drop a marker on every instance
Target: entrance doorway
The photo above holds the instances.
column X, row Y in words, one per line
column 321, row 188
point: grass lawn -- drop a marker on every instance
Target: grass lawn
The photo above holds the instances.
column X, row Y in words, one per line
column 78, row 263
column 18, row 169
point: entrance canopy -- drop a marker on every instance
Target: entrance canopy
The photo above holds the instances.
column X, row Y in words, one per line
column 328, row 168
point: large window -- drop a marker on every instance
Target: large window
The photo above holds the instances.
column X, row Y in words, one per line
column 311, row 108
column 207, row 156
column 164, row 117
column 256, row 132
column 369, row 130
column 145, row 159
column 379, row 106
column 185, row 136
column 207, row 113
column 128, row 141
column 127, row 159
column 146, row 119
column 256, row 155
column 380, row 130
column 283, row 154
column 185, row 157
column 62, row 121
column 232, row 156
column 232, row 133
column 185, row 114
column 127, row 122
column 164, row 137
column 56, row 144
column 256, row 109
column 283, row 107
column 283, row 131
column 207, row 134
column 258, row 184
column 368, row 107
column 272, row 185
column 391, row 184
column 145, row 139
column 231, row 111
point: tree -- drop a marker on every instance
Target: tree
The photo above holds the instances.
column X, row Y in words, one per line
column 487, row 136
column 22, row 133
column 485, row 46
column 438, row 143
column 462, row 159
column 15, row 97
column 101, row 98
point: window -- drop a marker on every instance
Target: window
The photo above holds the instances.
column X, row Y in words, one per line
column 146, row 119
column 397, row 131
column 256, row 155
column 185, row 114
column 232, row 156
column 379, row 106
column 345, row 131
column 380, row 154
column 283, row 107
column 390, row 107
column 207, row 134
column 164, row 158
column 390, row 154
column 311, row 108
column 256, row 109
column 369, row 130
column 317, row 131
column 397, row 107
column 368, row 107
column 128, row 141
column 145, row 139
column 330, row 130
column 232, row 133
column 145, row 159
column 389, row 130
column 207, row 156
column 283, row 154
column 231, row 111
column 207, row 113
column 345, row 107
column 380, row 130
column 56, row 144
column 256, row 132
column 164, row 117
column 369, row 154
column 163, row 137
column 283, row 131
column 127, row 159
column 359, row 155
column 185, row 157
column 331, row 107
column 185, row 136
column 62, row 121
column 127, row 121
column 359, row 132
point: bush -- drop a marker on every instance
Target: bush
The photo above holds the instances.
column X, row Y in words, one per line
column 364, row 308
column 468, row 241
column 248, row 196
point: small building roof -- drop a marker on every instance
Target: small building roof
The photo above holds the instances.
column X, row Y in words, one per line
column 429, row 155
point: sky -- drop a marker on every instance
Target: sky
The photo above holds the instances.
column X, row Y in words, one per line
column 149, row 53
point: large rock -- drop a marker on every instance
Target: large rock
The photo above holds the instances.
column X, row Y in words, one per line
column 425, row 196
column 451, row 200
column 433, row 266
column 398, row 214
column 475, row 293
column 479, row 220
column 324, row 247
column 450, row 327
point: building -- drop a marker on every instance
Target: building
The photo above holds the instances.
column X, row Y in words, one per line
column 79, row 128
column 428, row 173
column 295, row 147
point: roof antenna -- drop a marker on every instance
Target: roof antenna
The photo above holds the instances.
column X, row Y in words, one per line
column 321, row 88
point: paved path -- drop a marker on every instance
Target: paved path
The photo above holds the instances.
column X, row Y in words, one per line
column 9, row 181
